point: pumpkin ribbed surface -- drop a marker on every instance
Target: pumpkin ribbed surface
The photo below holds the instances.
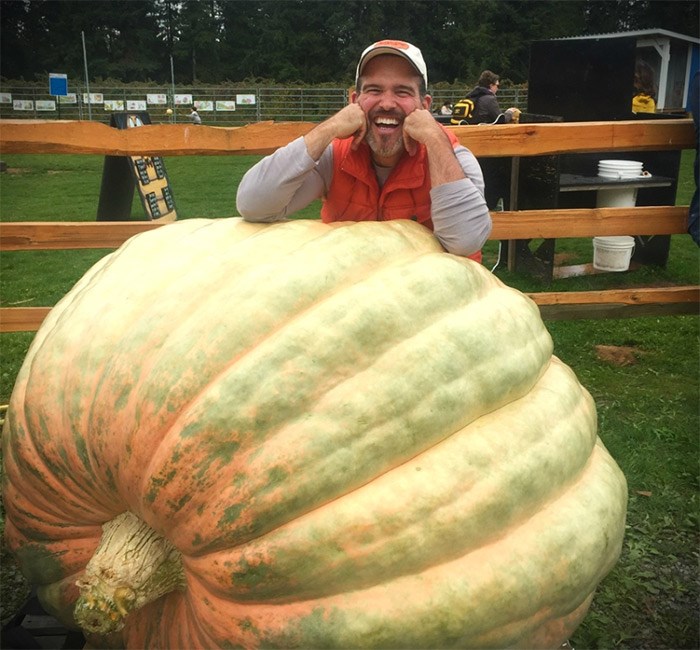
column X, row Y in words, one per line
column 348, row 437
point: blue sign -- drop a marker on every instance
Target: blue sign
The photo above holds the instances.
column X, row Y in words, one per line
column 58, row 84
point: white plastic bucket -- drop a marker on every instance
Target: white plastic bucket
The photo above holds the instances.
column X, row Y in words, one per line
column 612, row 253
column 618, row 197
column 621, row 197
column 620, row 168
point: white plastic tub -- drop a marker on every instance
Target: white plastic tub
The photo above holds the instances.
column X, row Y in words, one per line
column 612, row 253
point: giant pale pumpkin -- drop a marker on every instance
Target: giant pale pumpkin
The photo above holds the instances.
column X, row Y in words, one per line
column 302, row 435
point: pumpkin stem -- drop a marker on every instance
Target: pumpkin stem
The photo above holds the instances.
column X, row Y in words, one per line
column 132, row 566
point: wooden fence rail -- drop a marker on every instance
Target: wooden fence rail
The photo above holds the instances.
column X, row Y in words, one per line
column 24, row 136
column 38, row 136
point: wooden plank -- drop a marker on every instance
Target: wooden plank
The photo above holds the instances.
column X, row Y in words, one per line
column 523, row 224
column 84, row 137
column 81, row 137
column 22, row 319
column 589, row 222
column 576, row 137
column 38, row 235
column 618, row 303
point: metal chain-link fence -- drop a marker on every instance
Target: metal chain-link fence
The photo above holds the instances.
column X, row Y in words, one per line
column 218, row 106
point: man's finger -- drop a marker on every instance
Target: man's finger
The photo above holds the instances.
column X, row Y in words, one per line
column 410, row 144
column 358, row 137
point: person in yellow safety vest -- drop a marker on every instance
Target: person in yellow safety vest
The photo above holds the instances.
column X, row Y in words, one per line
column 644, row 99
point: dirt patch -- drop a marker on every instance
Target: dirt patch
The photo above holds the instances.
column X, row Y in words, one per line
column 563, row 258
column 17, row 170
column 618, row 355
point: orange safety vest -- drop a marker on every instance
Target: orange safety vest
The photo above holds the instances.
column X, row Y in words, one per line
column 354, row 193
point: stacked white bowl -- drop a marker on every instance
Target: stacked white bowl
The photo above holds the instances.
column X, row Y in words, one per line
column 619, row 169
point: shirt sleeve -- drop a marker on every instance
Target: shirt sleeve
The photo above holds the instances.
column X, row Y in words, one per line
column 461, row 218
column 283, row 183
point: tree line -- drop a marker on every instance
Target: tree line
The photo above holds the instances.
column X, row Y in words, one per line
column 300, row 41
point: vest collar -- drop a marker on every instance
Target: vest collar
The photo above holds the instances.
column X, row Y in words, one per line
column 408, row 173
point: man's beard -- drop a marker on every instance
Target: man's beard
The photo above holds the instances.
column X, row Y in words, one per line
column 385, row 146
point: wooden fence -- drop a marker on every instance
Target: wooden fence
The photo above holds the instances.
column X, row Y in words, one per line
column 24, row 136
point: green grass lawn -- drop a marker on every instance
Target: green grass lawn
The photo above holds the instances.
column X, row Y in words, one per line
column 647, row 409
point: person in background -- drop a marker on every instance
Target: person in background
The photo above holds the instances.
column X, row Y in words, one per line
column 480, row 106
column 446, row 108
column 694, row 108
column 194, row 116
column 644, row 99
column 383, row 156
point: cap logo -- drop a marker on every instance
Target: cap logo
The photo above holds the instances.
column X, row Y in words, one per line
column 401, row 45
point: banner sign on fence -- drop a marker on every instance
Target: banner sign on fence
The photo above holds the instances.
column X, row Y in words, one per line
column 157, row 98
column 23, row 105
column 248, row 100
column 183, row 100
column 114, row 104
column 94, row 98
column 135, row 105
column 5, row 98
column 45, row 105
column 204, row 105
column 70, row 98
column 225, row 105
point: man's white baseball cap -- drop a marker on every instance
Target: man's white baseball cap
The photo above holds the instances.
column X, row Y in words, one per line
column 409, row 52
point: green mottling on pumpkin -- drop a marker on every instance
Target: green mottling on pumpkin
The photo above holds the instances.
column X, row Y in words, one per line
column 110, row 478
column 246, row 625
column 180, row 503
column 43, row 428
column 231, row 514
column 39, row 564
column 38, row 533
column 275, row 477
column 251, row 576
column 157, row 483
column 81, row 448
column 315, row 626
column 222, row 451
column 227, row 645
column 35, row 471
column 226, row 450
column 197, row 540
column 191, row 430
column 122, row 398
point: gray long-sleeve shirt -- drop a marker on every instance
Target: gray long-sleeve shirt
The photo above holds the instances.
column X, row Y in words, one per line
column 289, row 179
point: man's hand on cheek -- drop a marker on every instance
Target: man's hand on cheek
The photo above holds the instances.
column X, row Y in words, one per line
column 352, row 121
column 418, row 127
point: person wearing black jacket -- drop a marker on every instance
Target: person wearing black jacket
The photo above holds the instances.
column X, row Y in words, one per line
column 480, row 106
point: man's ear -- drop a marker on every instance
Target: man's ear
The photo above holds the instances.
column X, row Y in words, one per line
column 353, row 96
column 427, row 102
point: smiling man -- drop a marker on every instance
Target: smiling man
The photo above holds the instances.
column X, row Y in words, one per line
column 381, row 157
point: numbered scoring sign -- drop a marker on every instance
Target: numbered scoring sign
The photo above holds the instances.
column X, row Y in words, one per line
column 153, row 186
column 151, row 178
column 122, row 173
